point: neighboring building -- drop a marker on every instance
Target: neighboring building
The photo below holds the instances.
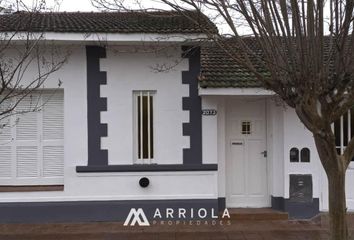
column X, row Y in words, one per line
column 138, row 102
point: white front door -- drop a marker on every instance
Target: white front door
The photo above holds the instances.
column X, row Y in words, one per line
column 246, row 165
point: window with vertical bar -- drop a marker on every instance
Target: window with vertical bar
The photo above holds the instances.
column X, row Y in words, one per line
column 144, row 129
column 343, row 130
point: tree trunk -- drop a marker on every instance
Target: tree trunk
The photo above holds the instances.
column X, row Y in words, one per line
column 337, row 206
column 335, row 167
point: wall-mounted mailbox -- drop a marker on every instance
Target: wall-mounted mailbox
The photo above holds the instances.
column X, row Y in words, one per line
column 294, row 155
column 301, row 188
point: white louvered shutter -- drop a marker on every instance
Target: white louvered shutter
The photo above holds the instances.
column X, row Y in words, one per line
column 31, row 145
column 27, row 165
column 53, row 161
column 27, row 138
column 5, row 142
column 53, row 135
column 5, row 123
column 27, row 120
column 5, row 162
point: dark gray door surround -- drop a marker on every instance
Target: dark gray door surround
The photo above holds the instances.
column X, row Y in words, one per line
column 98, row 158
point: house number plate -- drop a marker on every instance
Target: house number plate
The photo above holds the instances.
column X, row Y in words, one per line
column 209, row 112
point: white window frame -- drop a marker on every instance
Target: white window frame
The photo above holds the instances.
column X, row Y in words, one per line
column 40, row 143
column 341, row 146
column 139, row 159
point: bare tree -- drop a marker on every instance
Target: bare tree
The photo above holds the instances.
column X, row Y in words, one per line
column 22, row 49
column 306, row 48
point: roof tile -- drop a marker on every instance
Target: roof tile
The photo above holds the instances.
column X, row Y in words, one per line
column 108, row 22
column 219, row 70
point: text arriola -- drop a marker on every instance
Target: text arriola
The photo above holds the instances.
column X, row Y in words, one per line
column 183, row 213
column 172, row 216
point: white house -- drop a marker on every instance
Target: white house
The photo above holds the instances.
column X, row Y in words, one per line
column 146, row 119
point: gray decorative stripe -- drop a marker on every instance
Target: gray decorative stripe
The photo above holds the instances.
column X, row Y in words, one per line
column 95, row 104
column 193, row 129
column 297, row 210
column 93, row 211
column 148, row 168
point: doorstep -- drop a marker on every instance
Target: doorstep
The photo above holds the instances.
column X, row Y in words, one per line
column 258, row 214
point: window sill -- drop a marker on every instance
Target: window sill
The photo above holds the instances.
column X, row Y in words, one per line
column 36, row 188
column 147, row 168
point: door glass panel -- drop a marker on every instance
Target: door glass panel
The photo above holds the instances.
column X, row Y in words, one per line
column 246, row 127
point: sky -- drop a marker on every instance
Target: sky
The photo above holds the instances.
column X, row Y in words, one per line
column 76, row 5
column 71, row 5
column 65, row 5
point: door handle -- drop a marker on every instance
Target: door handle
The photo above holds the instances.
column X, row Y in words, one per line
column 265, row 153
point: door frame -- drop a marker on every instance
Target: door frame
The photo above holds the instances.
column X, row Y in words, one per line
column 229, row 139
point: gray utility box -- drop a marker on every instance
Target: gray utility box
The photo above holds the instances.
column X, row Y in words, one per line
column 301, row 188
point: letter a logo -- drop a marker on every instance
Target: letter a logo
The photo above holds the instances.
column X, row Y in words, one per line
column 136, row 216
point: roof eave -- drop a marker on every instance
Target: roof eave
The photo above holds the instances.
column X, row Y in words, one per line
column 246, row 91
column 107, row 37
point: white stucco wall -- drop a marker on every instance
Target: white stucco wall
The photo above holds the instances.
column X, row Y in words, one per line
column 222, row 147
column 275, row 138
column 296, row 135
column 213, row 138
column 210, row 130
column 126, row 71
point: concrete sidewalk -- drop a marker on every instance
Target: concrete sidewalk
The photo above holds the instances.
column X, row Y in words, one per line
column 246, row 229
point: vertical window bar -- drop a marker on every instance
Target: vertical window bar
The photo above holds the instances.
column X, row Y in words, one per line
column 341, row 135
column 349, row 126
column 148, row 126
column 141, row 127
column 152, row 126
column 137, row 121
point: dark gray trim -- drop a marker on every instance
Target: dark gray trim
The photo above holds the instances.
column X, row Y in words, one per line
column 95, row 104
column 278, row 203
column 92, row 211
column 221, row 203
column 193, row 128
column 297, row 210
column 148, row 168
